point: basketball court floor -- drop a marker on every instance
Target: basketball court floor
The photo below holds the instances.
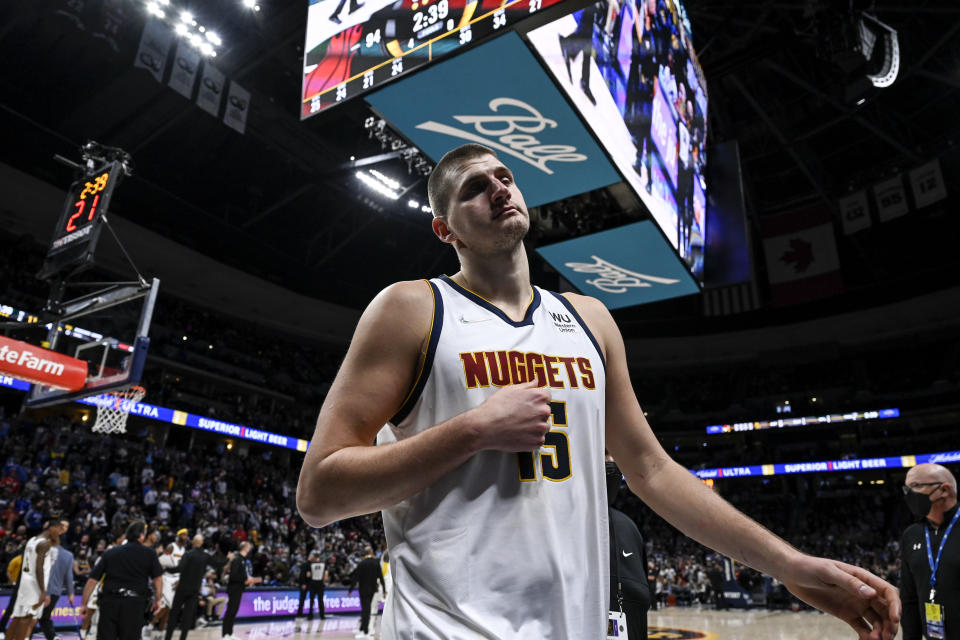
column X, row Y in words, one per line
column 672, row 623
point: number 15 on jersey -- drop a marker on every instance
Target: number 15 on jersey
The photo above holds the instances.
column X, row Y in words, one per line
column 555, row 465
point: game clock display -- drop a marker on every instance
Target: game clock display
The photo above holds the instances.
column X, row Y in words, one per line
column 75, row 237
column 353, row 46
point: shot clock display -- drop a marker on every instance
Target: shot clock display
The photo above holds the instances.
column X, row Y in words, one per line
column 75, row 237
column 353, row 46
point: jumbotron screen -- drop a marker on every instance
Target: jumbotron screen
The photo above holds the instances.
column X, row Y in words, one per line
column 630, row 69
column 353, row 46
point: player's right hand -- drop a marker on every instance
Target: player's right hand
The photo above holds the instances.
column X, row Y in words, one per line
column 515, row 418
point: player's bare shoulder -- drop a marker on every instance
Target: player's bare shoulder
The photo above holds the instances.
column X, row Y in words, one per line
column 408, row 295
column 402, row 311
column 594, row 313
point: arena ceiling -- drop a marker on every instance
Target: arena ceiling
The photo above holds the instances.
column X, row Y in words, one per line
column 279, row 201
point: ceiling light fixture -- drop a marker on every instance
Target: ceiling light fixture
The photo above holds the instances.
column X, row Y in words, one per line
column 376, row 185
column 390, row 182
column 154, row 9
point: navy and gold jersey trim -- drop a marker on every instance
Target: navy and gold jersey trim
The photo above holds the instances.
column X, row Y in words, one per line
column 586, row 329
column 436, row 325
column 494, row 309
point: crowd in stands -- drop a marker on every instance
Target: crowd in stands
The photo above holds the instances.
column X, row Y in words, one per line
column 832, row 517
column 100, row 483
column 58, row 468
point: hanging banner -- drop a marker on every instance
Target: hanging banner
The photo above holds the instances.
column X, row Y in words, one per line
column 801, row 256
column 154, row 45
column 927, row 184
column 238, row 104
column 854, row 212
column 891, row 198
column 111, row 23
column 186, row 64
column 210, row 94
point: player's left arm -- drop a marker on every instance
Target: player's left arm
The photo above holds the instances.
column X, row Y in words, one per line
column 868, row 604
column 42, row 550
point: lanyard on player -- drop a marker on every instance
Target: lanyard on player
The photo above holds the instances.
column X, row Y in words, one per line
column 616, row 548
column 934, row 565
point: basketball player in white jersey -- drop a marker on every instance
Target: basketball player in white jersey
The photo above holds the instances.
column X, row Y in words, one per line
column 177, row 549
column 168, row 588
column 181, row 545
column 497, row 400
column 38, row 558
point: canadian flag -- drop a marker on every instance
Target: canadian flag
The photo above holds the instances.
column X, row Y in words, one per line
column 801, row 256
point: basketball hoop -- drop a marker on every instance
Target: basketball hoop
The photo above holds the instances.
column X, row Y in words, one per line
column 112, row 415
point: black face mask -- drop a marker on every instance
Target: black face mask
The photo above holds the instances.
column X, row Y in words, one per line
column 613, row 481
column 918, row 503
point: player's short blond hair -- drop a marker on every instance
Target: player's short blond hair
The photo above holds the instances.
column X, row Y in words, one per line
column 440, row 182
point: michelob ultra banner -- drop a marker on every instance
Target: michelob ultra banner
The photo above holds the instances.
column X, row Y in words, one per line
column 622, row 267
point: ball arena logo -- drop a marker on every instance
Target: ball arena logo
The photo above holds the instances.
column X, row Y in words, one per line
column 614, row 279
column 510, row 133
column 672, row 633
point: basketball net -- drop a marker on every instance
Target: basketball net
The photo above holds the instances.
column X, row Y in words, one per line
column 112, row 416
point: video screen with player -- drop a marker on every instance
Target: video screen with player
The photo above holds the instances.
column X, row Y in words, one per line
column 353, row 46
column 630, row 69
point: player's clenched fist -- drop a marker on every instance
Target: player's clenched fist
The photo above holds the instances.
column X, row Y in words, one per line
column 515, row 418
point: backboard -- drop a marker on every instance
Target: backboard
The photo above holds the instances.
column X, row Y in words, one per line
column 109, row 330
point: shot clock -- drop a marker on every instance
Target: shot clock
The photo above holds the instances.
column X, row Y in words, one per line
column 353, row 47
column 78, row 229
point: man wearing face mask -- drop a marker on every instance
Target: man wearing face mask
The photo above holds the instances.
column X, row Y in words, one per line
column 930, row 556
column 629, row 591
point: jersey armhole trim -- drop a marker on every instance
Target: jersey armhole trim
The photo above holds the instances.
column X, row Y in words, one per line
column 586, row 329
column 436, row 325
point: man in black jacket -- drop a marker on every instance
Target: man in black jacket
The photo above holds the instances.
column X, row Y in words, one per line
column 930, row 556
column 367, row 574
column 238, row 576
column 629, row 590
column 192, row 567
column 127, row 570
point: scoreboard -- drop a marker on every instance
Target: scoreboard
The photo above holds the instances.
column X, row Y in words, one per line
column 354, row 46
column 78, row 229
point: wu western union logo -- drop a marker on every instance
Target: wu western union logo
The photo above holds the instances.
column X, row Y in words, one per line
column 502, row 368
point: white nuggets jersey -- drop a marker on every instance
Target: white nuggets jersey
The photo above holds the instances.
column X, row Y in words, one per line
column 28, row 567
column 508, row 545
